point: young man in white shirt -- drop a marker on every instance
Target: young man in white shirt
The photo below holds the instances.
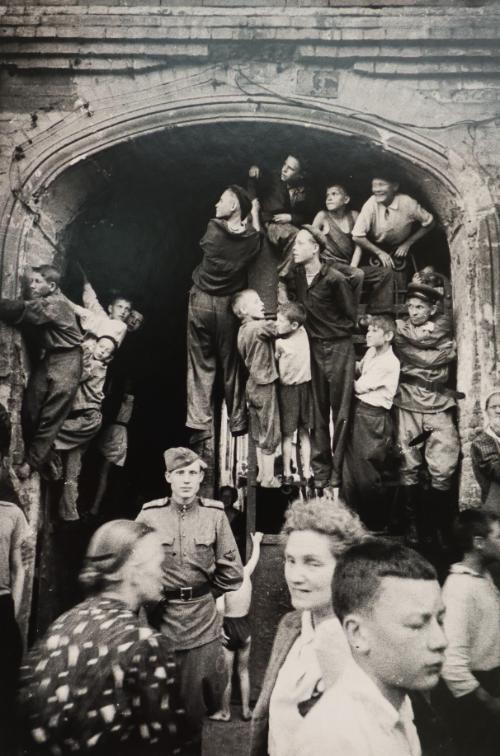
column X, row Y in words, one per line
column 472, row 624
column 389, row 602
column 371, row 429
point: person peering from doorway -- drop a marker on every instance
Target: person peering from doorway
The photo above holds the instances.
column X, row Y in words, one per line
column 310, row 650
column 385, row 227
column 371, row 435
column 83, row 422
column 101, row 681
column 336, row 221
column 424, row 413
column 330, row 320
column 388, row 599
column 485, row 454
column 54, row 380
column 256, row 339
column 472, row 625
column 229, row 246
column 294, row 391
column 285, row 201
column 201, row 563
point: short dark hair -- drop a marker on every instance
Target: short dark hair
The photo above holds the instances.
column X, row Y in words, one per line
column 50, row 273
column 470, row 524
column 384, row 322
column 359, row 572
column 339, row 185
column 109, row 338
column 385, row 173
column 294, row 312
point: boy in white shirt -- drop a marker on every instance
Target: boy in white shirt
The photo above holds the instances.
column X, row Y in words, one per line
column 371, row 429
column 294, row 389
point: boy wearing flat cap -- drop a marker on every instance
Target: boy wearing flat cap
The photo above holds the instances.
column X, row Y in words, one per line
column 201, row 563
column 425, row 407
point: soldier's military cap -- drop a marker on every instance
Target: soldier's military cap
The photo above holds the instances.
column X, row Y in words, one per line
column 179, row 457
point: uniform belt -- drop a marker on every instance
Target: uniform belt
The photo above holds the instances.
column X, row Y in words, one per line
column 439, row 388
column 188, row 592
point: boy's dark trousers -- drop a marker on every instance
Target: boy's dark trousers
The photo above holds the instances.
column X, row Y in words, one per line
column 366, row 451
column 332, row 376
column 48, row 401
column 212, row 336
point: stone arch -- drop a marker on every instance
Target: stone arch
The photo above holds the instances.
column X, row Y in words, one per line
column 461, row 196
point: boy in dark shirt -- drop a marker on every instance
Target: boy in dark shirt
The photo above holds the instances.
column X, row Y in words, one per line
column 285, row 204
column 255, row 344
column 330, row 318
column 229, row 246
column 54, row 380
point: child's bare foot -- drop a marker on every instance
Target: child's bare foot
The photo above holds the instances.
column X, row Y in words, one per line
column 246, row 715
column 221, row 716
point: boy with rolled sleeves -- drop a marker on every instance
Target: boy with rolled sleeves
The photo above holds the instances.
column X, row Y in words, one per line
column 371, row 427
column 256, row 346
column 294, row 388
column 390, row 223
column 201, row 563
column 54, row 381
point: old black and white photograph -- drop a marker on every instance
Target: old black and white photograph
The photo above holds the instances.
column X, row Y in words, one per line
column 250, row 378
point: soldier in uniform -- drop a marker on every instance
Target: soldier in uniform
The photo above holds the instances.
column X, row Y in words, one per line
column 201, row 563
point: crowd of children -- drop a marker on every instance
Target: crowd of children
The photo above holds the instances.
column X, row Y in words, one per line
column 304, row 388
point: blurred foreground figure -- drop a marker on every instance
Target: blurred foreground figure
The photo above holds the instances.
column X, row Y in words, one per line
column 101, row 681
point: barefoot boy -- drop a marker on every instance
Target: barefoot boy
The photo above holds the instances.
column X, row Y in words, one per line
column 294, row 387
column 237, row 638
column 256, row 347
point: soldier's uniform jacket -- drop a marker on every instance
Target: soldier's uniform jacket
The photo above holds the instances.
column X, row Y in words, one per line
column 199, row 548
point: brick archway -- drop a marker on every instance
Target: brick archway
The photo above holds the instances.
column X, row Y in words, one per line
column 461, row 197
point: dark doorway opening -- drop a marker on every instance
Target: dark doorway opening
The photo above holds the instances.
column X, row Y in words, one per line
column 139, row 234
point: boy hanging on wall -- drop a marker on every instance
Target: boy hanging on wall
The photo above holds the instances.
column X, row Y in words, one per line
column 336, row 222
column 229, row 246
column 54, row 381
column 83, row 421
column 256, row 347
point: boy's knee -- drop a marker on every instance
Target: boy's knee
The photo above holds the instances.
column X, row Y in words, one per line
column 358, row 275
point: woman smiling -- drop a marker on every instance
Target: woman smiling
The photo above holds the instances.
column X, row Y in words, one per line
column 310, row 649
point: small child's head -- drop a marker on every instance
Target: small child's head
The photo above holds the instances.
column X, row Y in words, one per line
column 336, row 197
column 89, row 342
column 134, row 321
column 381, row 330
column 119, row 308
column 248, row 304
column 43, row 280
column 291, row 316
column 104, row 348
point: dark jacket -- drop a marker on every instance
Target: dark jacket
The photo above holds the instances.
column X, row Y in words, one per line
column 275, row 196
